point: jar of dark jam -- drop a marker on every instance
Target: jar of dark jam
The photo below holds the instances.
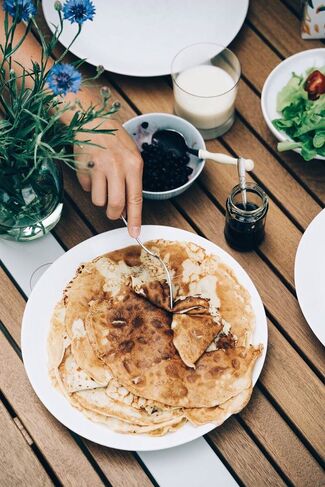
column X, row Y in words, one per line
column 245, row 224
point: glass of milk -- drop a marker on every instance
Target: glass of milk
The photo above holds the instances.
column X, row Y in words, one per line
column 205, row 80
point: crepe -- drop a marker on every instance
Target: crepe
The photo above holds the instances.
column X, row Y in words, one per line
column 87, row 284
column 193, row 333
column 90, row 396
column 197, row 274
column 72, row 377
column 57, row 339
column 128, row 428
column 121, row 356
column 141, row 355
column 87, row 360
column 219, row 414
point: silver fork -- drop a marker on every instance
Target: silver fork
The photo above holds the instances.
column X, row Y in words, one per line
column 169, row 279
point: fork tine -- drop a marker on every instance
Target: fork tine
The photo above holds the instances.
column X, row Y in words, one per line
column 169, row 279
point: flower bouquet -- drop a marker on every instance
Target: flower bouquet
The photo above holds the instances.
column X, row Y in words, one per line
column 33, row 139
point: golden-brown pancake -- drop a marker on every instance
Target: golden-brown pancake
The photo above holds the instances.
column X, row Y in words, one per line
column 134, row 338
column 195, row 273
column 88, row 361
column 128, row 361
column 81, row 389
column 120, row 426
column 86, row 285
column 193, row 334
column 218, row 414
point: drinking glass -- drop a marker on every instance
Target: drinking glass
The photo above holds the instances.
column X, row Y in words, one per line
column 205, row 82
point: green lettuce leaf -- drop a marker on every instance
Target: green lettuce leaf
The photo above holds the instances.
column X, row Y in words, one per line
column 303, row 120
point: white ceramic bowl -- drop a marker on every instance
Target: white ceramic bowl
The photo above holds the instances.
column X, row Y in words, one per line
column 279, row 77
column 157, row 121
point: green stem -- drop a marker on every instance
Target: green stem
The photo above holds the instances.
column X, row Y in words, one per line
column 65, row 52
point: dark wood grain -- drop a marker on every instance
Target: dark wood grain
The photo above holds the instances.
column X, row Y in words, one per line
column 25, row 472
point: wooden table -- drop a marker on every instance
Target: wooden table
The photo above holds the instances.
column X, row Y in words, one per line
column 278, row 438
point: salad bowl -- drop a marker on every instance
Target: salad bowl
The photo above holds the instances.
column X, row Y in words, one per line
column 299, row 64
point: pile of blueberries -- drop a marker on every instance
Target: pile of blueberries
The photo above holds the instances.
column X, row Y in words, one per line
column 163, row 169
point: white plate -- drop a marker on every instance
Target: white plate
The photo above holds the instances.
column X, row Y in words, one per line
column 36, row 322
column 310, row 275
column 279, row 77
column 140, row 38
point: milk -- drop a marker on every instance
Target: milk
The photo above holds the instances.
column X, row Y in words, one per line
column 205, row 96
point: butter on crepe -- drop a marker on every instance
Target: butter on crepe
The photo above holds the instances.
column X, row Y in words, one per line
column 141, row 355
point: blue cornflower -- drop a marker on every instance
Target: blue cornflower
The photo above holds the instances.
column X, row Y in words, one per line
column 63, row 78
column 19, row 9
column 78, row 11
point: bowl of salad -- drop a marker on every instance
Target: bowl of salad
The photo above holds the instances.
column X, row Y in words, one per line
column 293, row 104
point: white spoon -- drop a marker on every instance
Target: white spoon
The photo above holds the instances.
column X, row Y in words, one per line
column 173, row 140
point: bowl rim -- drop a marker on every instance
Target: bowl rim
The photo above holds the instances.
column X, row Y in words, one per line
column 267, row 85
column 191, row 126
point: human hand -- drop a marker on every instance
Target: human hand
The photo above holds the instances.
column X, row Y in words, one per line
column 113, row 175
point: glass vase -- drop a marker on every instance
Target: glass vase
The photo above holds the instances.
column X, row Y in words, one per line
column 30, row 204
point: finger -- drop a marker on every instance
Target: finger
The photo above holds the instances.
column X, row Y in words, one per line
column 84, row 180
column 98, row 188
column 134, row 200
column 116, row 196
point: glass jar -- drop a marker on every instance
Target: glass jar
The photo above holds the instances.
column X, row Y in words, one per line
column 245, row 224
column 30, row 204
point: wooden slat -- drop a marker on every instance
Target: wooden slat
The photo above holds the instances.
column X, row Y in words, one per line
column 27, row 470
column 256, row 58
column 244, row 456
column 53, row 439
column 119, row 466
column 295, row 461
column 11, row 306
column 70, row 227
column 280, row 26
column 298, row 392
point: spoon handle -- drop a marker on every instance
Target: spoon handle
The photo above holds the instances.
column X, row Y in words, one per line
column 224, row 159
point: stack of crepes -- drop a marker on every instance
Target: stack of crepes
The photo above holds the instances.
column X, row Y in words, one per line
column 123, row 358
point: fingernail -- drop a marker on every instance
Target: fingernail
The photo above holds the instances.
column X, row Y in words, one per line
column 135, row 231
